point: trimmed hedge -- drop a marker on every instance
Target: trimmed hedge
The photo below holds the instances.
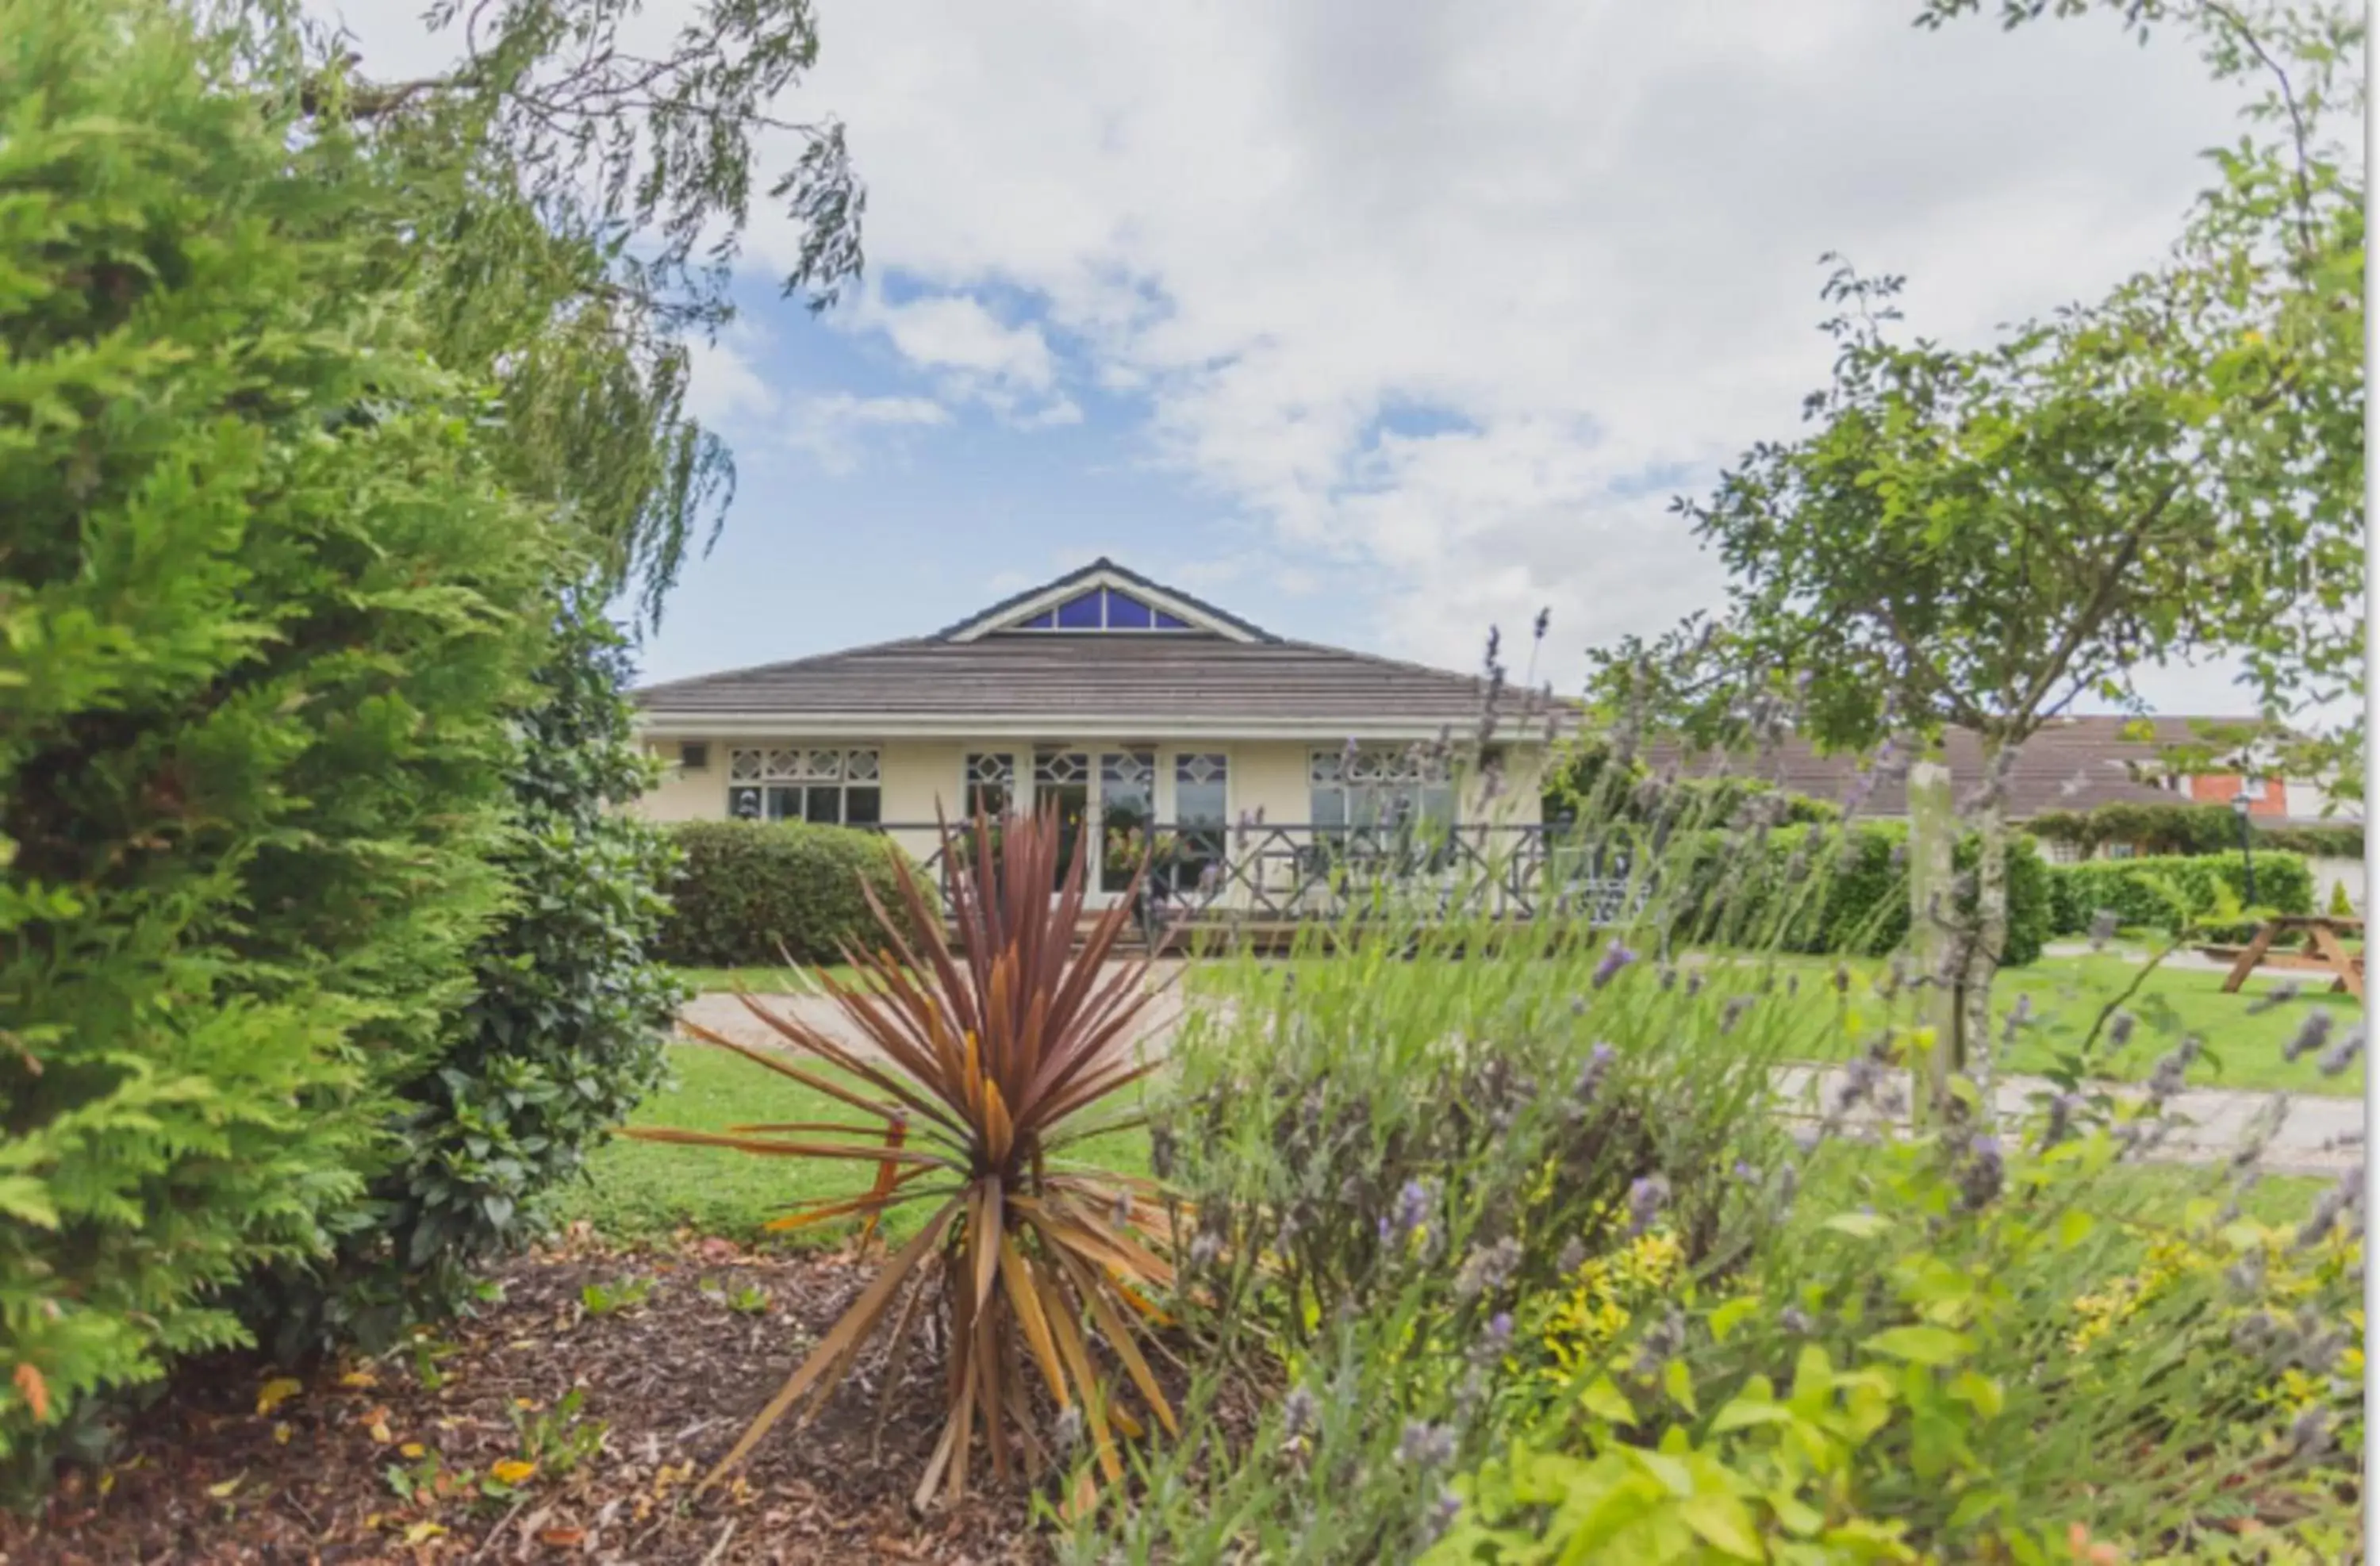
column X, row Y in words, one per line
column 2166, row 892
column 749, row 893
column 1815, row 890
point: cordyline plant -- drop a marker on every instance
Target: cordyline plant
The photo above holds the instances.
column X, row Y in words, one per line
column 978, row 1072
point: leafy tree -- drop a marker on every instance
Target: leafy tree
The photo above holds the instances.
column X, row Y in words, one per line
column 2261, row 302
column 263, row 607
column 1982, row 537
column 566, row 207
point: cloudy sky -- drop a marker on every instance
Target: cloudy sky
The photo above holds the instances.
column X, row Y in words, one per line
column 1382, row 323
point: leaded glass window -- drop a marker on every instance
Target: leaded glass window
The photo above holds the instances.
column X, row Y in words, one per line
column 828, row 787
column 1367, row 786
column 1127, row 812
column 1104, row 609
column 990, row 784
column 1201, row 807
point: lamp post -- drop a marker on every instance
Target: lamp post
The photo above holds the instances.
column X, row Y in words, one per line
column 2247, row 859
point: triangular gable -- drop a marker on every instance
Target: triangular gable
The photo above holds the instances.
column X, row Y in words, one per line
column 1104, row 598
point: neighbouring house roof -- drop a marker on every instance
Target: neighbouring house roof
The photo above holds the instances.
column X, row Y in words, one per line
column 994, row 672
column 2073, row 764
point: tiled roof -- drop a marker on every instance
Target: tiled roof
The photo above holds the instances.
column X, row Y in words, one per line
column 1155, row 677
column 2073, row 764
column 1225, row 671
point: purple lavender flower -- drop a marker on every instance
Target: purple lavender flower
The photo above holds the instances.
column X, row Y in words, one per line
column 1413, row 1209
column 1498, row 1335
column 1591, row 1075
column 1300, row 1410
column 1426, row 1446
column 2310, row 1036
column 2119, row 1029
column 1615, row 958
column 1646, row 1197
column 2341, row 1055
column 1571, row 1257
column 1984, row 1173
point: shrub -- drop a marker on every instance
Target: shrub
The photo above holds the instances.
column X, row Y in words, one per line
column 1961, row 1354
column 263, row 611
column 754, row 893
column 2192, row 831
column 1838, row 891
column 564, row 1037
column 2172, row 893
column 999, row 1063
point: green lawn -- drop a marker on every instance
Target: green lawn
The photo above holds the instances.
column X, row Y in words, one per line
column 645, row 1190
column 2242, row 1045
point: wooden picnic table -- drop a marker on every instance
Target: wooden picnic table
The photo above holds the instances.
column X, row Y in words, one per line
column 2319, row 945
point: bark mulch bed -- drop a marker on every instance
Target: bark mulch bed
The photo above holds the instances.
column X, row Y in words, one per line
column 623, row 1377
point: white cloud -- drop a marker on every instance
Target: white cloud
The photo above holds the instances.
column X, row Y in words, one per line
column 1584, row 233
column 973, row 356
column 835, row 429
column 724, row 385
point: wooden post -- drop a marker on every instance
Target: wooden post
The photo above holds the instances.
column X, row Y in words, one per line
column 1933, row 838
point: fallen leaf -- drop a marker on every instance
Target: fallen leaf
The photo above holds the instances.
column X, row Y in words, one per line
column 276, row 1392
column 359, row 1378
column 33, row 1390
column 224, row 1491
column 511, row 1470
column 106, row 1483
column 411, row 1449
column 562, row 1539
column 378, row 1422
column 423, row 1532
column 280, row 1434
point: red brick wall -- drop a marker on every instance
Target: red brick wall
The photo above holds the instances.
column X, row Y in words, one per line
column 2272, row 799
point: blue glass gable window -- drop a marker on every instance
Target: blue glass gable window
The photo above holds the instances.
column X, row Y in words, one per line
column 1104, row 609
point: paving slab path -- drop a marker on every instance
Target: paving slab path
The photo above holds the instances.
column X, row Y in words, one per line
column 2317, row 1136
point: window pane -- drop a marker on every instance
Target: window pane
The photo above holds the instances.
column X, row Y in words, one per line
column 785, row 803
column 1041, row 622
column 1329, row 806
column 862, row 807
column 1170, row 622
column 1080, row 613
column 1438, row 805
column 744, row 804
column 1126, row 614
column 824, row 806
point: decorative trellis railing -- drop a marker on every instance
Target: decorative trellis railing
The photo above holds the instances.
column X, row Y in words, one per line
column 1276, row 873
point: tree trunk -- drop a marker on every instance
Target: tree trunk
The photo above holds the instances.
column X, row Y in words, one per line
column 1989, row 930
column 1933, row 937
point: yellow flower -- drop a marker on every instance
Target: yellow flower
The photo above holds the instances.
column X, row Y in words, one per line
column 512, row 1470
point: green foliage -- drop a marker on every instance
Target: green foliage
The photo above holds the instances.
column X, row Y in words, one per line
column 1990, row 1356
column 2259, row 311
column 1835, row 891
column 2191, row 830
column 262, row 609
column 754, row 892
column 2174, row 893
column 2147, row 829
column 562, row 1039
column 1588, row 781
column 2342, row 839
column 517, row 175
